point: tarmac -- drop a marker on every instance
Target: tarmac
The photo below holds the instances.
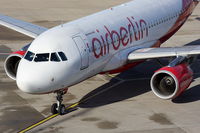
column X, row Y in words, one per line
column 124, row 104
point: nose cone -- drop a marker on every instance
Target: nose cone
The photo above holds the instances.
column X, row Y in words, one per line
column 30, row 83
column 35, row 78
column 27, row 84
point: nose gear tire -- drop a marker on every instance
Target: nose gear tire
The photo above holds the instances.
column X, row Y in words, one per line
column 54, row 108
column 61, row 109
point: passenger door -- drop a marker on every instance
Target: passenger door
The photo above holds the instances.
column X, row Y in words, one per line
column 83, row 50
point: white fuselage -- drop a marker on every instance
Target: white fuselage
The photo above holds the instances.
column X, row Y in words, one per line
column 100, row 42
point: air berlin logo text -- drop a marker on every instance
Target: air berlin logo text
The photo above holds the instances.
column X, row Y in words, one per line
column 133, row 31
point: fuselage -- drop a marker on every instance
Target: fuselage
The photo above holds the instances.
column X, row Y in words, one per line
column 99, row 43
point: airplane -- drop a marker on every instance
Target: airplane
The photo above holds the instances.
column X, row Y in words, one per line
column 110, row 41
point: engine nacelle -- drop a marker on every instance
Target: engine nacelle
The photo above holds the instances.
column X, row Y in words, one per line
column 170, row 82
column 12, row 62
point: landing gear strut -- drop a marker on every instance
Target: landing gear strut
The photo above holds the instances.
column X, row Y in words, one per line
column 59, row 107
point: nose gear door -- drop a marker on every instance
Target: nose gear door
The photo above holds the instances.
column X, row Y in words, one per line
column 83, row 50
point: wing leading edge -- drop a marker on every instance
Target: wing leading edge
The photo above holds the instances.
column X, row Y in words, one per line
column 152, row 53
column 26, row 28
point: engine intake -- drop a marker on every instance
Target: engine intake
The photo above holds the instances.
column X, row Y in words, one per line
column 170, row 82
column 12, row 62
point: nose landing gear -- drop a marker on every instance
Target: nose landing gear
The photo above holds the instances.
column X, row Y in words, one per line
column 59, row 107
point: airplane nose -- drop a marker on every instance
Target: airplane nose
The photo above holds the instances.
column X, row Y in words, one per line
column 38, row 79
column 29, row 81
column 25, row 86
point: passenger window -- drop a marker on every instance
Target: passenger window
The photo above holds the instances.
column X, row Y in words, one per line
column 29, row 56
column 62, row 56
column 41, row 57
column 54, row 57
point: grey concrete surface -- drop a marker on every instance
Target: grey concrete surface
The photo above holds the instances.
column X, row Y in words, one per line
column 126, row 103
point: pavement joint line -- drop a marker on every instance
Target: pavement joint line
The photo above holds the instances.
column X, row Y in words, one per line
column 69, row 107
column 101, row 78
column 137, row 79
column 112, row 76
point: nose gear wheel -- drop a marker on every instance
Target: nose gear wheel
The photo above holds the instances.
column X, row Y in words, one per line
column 59, row 107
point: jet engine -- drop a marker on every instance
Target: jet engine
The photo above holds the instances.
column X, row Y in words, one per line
column 12, row 62
column 169, row 82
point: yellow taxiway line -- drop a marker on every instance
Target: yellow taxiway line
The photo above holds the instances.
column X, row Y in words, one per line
column 46, row 119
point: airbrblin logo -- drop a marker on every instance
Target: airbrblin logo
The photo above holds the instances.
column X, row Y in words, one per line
column 124, row 35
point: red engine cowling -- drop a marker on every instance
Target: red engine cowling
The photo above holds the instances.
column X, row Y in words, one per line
column 170, row 82
column 12, row 62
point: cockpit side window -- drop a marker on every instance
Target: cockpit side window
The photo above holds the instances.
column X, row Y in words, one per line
column 29, row 56
column 62, row 56
column 54, row 57
column 42, row 57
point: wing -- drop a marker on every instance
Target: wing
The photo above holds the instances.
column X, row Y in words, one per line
column 28, row 29
column 151, row 53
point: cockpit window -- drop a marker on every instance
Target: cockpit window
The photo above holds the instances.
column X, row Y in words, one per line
column 42, row 57
column 29, row 56
column 54, row 57
column 62, row 55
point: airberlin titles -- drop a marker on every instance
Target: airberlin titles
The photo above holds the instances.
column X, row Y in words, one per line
column 133, row 31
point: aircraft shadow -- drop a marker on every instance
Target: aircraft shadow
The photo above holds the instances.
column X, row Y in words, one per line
column 136, row 82
column 120, row 92
column 191, row 95
column 112, row 93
